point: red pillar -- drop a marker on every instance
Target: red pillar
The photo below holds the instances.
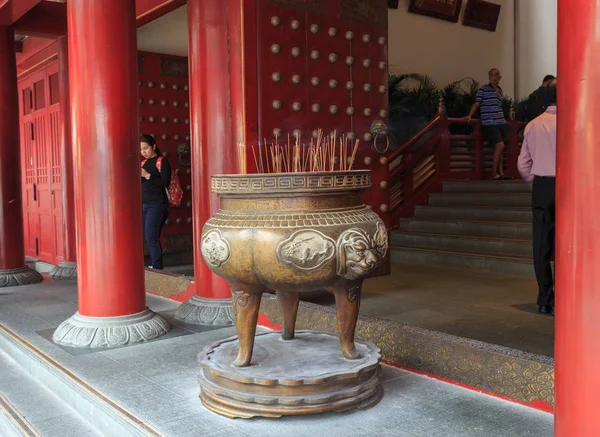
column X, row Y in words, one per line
column 577, row 345
column 216, row 114
column 68, row 268
column 12, row 255
column 108, row 205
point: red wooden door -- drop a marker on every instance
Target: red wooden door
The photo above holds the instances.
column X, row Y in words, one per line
column 40, row 158
column 28, row 172
column 322, row 64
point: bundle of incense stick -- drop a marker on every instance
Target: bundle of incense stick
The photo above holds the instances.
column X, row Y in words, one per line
column 325, row 153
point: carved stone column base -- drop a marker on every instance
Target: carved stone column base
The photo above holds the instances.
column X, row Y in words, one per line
column 65, row 270
column 21, row 276
column 201, row 311
column 98, row 332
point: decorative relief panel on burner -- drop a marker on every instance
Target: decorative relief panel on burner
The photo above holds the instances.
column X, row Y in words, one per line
column 306, row 250
column 215, row 249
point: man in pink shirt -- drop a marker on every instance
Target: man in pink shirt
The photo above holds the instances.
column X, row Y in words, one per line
column 537, row 165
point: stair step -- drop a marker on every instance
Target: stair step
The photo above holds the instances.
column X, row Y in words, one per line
column 463, row 244
column 516, row 186
column 79, row 404
column 480, row 199
column 504, row 214
column 30, row 409
column 467, row 228
column 477, row 261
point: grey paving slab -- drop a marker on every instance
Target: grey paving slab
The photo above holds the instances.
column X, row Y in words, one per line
column 54, row 314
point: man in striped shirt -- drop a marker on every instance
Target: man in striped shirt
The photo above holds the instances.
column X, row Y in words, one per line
column 490, row 99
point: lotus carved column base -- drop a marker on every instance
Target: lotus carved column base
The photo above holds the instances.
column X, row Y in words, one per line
column 20, row 276
column 101, row 332
column 64, row 271
column 201, row 311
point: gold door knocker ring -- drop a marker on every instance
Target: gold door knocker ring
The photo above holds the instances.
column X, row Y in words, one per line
column 375, row 147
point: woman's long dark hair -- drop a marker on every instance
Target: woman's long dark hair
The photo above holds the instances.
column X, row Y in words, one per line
column 151, row 141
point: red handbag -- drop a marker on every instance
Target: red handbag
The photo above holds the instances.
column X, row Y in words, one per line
column 174, row 192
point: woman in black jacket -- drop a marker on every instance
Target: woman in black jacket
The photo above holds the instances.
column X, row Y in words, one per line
column 155, row 184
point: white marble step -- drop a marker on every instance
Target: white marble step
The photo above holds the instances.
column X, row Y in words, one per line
column 55, row 401
column 27, row 408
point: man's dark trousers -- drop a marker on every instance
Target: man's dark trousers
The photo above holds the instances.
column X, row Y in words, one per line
column 543, row 206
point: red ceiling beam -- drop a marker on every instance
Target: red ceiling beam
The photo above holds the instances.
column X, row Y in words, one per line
column 148, row 10
column 39, row 57
column 13, row 10
column 46, row 20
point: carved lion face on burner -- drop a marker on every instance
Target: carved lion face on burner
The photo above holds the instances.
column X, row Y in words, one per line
column 359, row 253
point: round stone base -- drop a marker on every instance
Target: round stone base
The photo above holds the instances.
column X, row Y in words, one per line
column 199, row 311
column 305, row 375
column 101, row 332
column 20, row 276
column 64, row 271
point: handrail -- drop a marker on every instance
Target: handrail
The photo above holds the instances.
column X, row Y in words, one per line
column 473, row 121
column 400, row 150
column 418, row 154
column 410, row 185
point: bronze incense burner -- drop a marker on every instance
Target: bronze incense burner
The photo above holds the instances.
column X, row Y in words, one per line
column 291, row 233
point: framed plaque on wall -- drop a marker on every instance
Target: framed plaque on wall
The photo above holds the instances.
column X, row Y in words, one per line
column 481, row 14
column 443, row 9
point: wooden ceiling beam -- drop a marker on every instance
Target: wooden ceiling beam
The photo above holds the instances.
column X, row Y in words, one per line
column 13, row 10
column 48, row 19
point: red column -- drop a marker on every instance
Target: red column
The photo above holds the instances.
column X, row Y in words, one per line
column 577, row 345
column 68, row 268
column 12, row 254
column 216, row 114
column 108, row 205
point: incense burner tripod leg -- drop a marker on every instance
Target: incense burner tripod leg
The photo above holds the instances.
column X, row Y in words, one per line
column 288, row 305
column 246, row 305
column 347, row 304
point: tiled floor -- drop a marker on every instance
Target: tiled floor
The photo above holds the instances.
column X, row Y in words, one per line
column 157, row 382
column 489, row 307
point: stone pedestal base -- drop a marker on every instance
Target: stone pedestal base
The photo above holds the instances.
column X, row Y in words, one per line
column 301, row 376
column 99, row 332
column 20, row 276
column 65, row 270
column 199, row 311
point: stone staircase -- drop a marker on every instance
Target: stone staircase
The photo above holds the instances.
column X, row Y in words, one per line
column 484, row 225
